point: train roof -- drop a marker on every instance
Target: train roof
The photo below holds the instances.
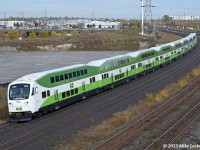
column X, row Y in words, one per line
column 138, row 52
column 35, row 76
column 97, row 63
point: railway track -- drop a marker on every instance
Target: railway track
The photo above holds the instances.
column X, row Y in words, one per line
column 63, row 122
column 177, row 130
column 8, row 126
column 131, row 132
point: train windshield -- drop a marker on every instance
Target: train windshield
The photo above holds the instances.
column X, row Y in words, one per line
column 19, row 91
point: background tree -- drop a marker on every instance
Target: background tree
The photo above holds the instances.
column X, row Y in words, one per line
column 172, row 24
column 166, row 19
column 74, row 33
column 195, row 25
column 43, row 34
column 124, row 24
column 54, row 34
column 13, row 34
column 63, row 33
column 133, row 23
column 32, row 35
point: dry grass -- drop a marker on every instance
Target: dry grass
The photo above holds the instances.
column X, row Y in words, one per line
column 165, row 93
column 167, row 37
column 88, row 40
column 3, row 105
column 95, row 134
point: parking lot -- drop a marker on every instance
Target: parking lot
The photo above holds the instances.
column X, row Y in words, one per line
column 15, row 64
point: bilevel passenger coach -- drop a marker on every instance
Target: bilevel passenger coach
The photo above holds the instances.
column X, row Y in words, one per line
column 36, row 94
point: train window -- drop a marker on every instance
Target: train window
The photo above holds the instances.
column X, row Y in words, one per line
column 157, row 58
column 127, row 59
column 172, row 53
column 148, row 66
column 72, row 92
column 52, row 79
column 36, row 90
column 166, row 58
column 33, row 91
column 57, row 78
column 132, row 67
column 102, row 76
column 70, row 75
column 76, row 91
column 63, row 94
column 74, row 74
column 93, row 79
column 66, row 76
column 85, row 71
column 48, row 93
column 82, row 72
column 140, row 65
column 44, row 95
column 107, row 75
column 161, row 57
column 78, row 73
column 90, row 80
column 61, row 77
column 68, row 93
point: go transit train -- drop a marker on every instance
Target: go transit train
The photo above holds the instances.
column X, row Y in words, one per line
column 39, row 93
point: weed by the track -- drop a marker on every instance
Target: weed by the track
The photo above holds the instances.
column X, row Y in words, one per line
column 3, row 105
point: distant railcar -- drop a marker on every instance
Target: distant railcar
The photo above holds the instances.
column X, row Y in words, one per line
column 36, row 94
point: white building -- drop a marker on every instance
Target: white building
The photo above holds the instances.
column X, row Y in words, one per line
column 102, row 24
column 184, row 17
column 10, row 24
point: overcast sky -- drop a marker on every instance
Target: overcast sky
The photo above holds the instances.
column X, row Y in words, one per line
column 96, row 8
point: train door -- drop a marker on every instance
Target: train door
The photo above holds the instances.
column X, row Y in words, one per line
column 112, row 77
column 127, row 72
column 56, row 95
column 83, row 86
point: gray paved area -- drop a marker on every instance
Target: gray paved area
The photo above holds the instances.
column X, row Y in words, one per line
column 17, row 64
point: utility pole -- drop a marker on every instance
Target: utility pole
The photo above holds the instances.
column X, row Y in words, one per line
column 92, row 13
column 5, row 19
column 198, row 22
column 23, row 17
column 142, row 6
column 148, row 12
column 45, row 18
column 146, row 15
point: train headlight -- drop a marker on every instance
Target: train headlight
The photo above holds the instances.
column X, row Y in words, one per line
column 11, row 104
column 26, row 103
